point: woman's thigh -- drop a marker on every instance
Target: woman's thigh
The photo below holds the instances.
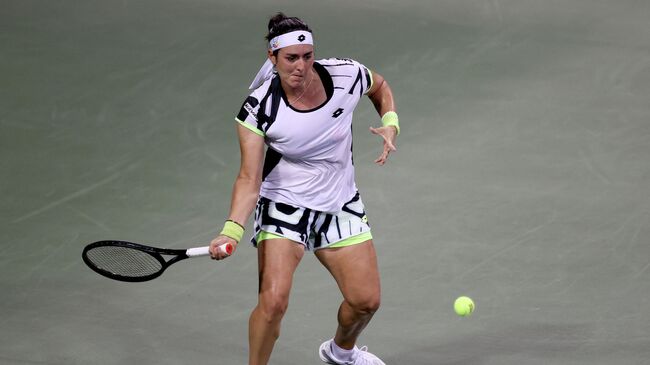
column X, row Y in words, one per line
column 355, row 270
column 277, row 262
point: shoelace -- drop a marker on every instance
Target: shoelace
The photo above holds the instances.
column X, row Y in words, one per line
column 363, row 358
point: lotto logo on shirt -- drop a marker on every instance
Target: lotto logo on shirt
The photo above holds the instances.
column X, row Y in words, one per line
column 250, row 110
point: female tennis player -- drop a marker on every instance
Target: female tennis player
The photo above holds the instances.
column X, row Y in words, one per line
column 303, row 189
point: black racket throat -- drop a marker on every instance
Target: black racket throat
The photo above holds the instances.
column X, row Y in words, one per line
column 128, row 261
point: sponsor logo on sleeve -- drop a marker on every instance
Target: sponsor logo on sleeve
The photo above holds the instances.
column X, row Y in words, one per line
column 250, row 110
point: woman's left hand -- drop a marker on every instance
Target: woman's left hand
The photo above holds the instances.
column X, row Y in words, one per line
column 388, row 134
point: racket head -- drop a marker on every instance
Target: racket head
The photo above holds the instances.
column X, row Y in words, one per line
column 127, row 261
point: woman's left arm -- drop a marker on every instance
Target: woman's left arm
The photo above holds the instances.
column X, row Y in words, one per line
column 382, row 98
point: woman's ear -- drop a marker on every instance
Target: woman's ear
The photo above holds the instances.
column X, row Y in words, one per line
column 272, row 57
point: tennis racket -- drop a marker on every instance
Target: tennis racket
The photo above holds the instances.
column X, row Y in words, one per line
column 133, row 262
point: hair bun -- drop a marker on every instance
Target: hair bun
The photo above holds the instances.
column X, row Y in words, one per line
column 281, row 24
column 275, row 20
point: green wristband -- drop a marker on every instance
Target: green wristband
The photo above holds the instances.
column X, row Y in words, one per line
column 390, row 119
column 233, row 230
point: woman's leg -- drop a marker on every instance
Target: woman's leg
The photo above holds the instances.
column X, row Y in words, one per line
column 277, row 260
column 355, row 270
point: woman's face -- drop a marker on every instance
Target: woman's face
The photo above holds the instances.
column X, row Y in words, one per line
column 293, row 64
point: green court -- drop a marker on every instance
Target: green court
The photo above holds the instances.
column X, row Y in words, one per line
column 522, row 179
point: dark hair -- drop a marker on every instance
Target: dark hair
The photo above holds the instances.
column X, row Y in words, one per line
column 281, row 24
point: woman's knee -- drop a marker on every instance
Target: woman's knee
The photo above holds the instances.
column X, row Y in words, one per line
column 273, row 305
column 366, row 304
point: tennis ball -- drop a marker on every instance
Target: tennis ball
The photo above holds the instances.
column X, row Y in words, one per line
column 464, row 306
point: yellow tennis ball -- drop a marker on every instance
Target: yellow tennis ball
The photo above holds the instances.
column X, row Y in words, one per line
column 464, row 306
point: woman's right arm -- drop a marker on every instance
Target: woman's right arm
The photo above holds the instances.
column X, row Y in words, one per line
column 247, row 185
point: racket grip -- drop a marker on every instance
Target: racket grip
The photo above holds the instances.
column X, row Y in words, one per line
column 198, row 251
column 204, row 251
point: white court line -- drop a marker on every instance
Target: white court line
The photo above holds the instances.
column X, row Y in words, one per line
column 67, row 198
column 645, row 268
column 519, row 240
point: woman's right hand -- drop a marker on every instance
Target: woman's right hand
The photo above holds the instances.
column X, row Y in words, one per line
column 218, row 253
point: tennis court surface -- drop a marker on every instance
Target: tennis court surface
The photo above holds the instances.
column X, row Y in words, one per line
column 522, row 179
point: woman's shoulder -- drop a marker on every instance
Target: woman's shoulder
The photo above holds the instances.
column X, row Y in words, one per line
column 338, row 62
column 347, row 74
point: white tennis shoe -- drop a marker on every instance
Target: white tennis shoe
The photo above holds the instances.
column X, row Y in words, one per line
column 361, row 356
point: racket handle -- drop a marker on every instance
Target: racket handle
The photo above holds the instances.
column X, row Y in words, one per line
column 204, row 251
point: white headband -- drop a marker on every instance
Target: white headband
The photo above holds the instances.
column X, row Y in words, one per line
column 281, row 41
column 290, row 39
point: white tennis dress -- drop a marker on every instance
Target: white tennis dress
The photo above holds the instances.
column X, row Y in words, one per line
column 309, row 157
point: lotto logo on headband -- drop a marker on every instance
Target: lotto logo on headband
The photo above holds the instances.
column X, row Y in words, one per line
column 290, row 39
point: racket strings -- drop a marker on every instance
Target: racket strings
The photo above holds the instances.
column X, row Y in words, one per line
column 124, row 261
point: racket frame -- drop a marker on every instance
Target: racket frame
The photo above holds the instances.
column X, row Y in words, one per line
column 155, row 252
